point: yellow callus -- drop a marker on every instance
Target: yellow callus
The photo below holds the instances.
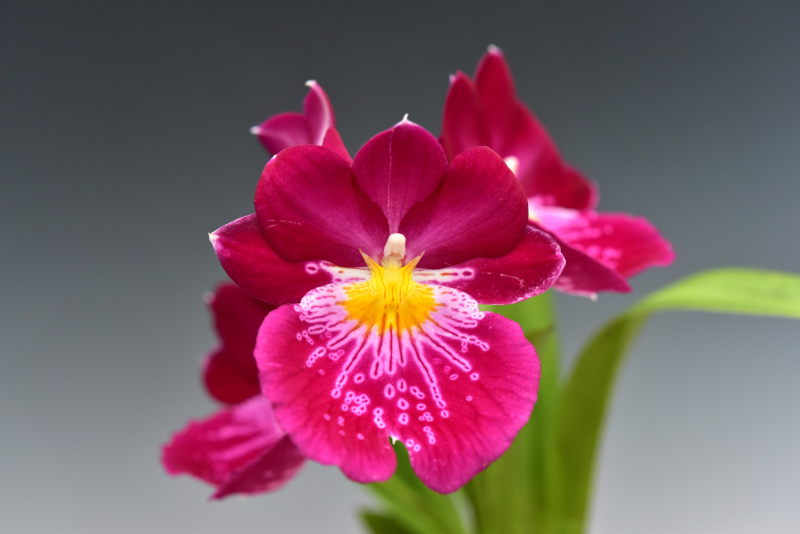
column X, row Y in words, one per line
column 390, row 300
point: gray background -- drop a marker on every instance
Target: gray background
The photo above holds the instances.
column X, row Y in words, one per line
column 124, row 139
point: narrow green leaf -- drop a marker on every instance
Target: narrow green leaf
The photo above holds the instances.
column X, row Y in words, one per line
column 584, row 399
column 379, row 523
column 416, row 507
column 730, row 290
column 509, row 496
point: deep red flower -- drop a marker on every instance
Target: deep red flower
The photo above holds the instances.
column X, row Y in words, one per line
column 240, row 448
column 602, row 249
column 389, row 257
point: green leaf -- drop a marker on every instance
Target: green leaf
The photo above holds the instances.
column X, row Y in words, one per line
column 510, row 495
column 378, row 523
column 584, row 399
column 413, row 505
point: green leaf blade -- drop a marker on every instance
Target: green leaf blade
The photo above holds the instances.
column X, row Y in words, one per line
column 509, row 496
column 585, row 397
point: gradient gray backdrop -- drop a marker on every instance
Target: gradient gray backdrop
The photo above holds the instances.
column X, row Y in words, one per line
column 124, row 140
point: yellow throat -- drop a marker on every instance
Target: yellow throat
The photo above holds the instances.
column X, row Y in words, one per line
column 391, row 299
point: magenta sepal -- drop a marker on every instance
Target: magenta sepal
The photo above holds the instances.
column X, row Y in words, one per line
column 251, row 262
column 530, row 269
column 478, row 210
column 398, row 168
column 291, row 129
column 455, row 391
column 310, row 207
column 239, row 449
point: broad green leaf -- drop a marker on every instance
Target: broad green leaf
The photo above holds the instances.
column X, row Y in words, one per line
column 413, row 505
column 584, row 399
column 510, row 495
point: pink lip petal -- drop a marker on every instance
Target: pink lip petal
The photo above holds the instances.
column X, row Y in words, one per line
column 318, row 112
column 531, row 267
column 398, row 168
column 463, row 126
column 218, row 447
column 484, row 413
column 621, row 242
column 302, row 395
column 478, row 210
column 270, row 472
column 310, row 207
column 249, row 260
column 454, row 391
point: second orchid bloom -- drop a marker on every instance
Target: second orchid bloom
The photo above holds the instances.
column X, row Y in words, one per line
column 602, row 250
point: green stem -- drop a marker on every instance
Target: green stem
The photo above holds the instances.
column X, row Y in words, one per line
column 511, row 495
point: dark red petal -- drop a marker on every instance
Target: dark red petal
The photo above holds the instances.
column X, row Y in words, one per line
column 553, row 183
column 496, row 91
column 619, row 241
column 479, row 210
column 220, row 447
column 513, row 131
column 455, row 390
column 463, row 126
column 398, row 168
column 334, row 142
column 271, row 471
column 318, row 113
column 310, row 207
column 237, row 318
column 531, row 267
column 226, row 381
column 249, row 260
column 282, row 131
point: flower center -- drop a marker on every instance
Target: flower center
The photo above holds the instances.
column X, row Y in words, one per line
column 391, row 299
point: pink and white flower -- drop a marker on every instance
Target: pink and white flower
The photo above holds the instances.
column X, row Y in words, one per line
column 389, row 257
column 240, row 448
column 602, row 250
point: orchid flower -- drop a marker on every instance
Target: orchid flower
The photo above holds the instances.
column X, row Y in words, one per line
column 240, row 448
column 389, row 257
column 602, row 250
